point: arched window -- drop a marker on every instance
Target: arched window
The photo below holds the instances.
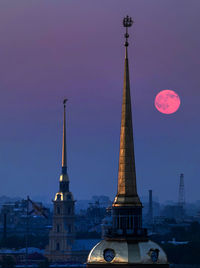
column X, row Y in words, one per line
column 58, row 197
column 57, row 246
column 58, row 228
column 69, row 211
column 69, row 228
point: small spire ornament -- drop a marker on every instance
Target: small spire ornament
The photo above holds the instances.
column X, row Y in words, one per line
column 127, row 22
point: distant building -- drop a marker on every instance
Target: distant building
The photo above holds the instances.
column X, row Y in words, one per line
column 62, row 234
column 13, row 220
column 63, row 247
column 35, row 256
column 172, row 212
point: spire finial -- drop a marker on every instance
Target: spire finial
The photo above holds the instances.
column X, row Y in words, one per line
column 127, row 22
column 64, row 102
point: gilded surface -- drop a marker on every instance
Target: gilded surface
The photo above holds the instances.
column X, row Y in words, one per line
column 131, row 252
column 97, row 253
column 136, row 257
column 127, row 189
column 145, row 247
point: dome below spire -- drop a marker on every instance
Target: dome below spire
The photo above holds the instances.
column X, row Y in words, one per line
column 124, row 252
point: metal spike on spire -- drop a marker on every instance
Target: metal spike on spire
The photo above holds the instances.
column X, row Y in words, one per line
column 64, row 149
column 127, row 188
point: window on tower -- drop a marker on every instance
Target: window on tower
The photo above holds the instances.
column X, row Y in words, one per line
column 57, row 246
column 132, row 225
column 58, row 228
column 69, row 228
column 58, row 210
column 136, row 222
column 58, row 197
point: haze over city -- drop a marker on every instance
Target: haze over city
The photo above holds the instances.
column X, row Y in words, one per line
column 53, row 50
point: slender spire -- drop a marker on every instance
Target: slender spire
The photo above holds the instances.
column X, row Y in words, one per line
column 64, row 179
column 64, row 149
column 127, row 188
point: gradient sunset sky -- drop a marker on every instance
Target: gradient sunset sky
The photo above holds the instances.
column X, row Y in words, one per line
column 52, row 49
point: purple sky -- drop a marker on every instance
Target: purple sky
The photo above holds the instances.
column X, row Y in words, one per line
column 51, row 49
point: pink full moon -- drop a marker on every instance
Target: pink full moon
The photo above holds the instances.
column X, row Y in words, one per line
column 167, row 101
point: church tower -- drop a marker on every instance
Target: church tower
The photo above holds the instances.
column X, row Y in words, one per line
column 126, row 243
column 62, row 234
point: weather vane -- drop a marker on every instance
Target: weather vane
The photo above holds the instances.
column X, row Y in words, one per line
column 127, row 22
column 65, row 100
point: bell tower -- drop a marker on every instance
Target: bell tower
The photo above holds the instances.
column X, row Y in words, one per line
column 62, row 234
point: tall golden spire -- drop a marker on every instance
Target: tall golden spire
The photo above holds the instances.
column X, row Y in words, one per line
column 64, row 149
column 64, row 179
column 127, row 188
